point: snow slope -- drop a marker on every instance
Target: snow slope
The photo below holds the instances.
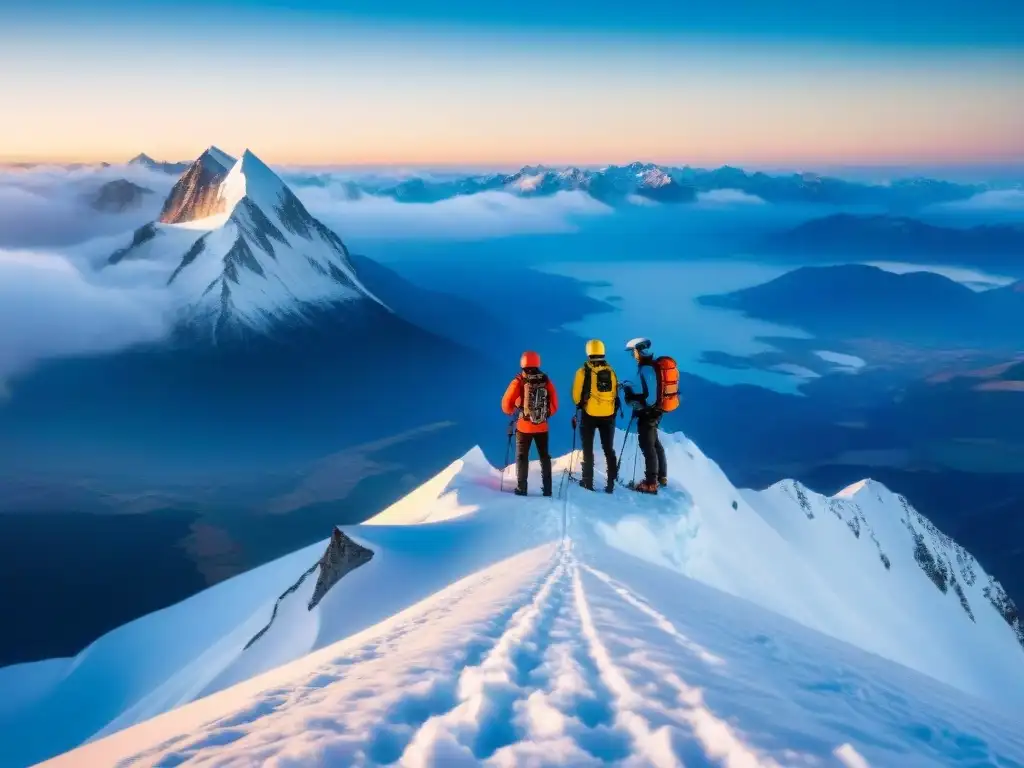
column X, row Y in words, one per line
column 237, row 248
column 577, row 630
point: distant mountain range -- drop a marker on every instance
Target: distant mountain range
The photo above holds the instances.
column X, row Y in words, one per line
column 860, row 301
column 614, row 184
column 663, row 183
column 146, row 161
column 880, row 236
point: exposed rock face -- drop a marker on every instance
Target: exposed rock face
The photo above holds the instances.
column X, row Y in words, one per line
column 342, row 556
column 935, row 553
column 1006, row 607
column 143, row 234
column 118, row 196
column 196, row 195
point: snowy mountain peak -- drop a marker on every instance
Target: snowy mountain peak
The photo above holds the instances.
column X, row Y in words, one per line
column 654, row 177
column 249, row 177
column 241, row 251
column 865, row 487
column 218, row 157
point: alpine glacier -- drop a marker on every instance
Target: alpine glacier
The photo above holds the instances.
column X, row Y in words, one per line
column 463, row 626
column 238, row 248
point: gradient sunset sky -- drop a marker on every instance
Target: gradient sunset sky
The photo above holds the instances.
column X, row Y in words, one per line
column 473, row 82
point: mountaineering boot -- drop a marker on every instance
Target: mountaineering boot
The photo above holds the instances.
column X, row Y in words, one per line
column 610, row 488
column 520, row 491
column 547, row 492
column 588, row 484
column 663, row 481
column 647, row 486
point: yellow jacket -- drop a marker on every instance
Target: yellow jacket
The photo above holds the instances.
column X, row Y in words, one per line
column 600, row 401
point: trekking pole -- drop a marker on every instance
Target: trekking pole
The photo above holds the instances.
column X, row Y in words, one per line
column 508, row 449
column 635, row 454
column 575, row 430
column 618, row 463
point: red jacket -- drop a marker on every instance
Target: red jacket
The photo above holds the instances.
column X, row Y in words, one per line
column 514, row 398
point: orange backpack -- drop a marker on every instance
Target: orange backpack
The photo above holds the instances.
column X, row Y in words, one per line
column 668, row 383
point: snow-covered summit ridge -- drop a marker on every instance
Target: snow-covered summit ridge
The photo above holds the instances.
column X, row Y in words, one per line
column 707, row 618
column 240, row 250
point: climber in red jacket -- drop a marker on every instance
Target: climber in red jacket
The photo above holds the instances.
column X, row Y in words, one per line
column 533, row 395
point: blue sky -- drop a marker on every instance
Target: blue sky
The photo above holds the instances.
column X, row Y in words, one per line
column 876, row 22
column 534, row 81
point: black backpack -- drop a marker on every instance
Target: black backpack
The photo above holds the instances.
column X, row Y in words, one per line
column 536, row 407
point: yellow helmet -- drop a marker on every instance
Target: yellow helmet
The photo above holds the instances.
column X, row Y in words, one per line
column 595, row 348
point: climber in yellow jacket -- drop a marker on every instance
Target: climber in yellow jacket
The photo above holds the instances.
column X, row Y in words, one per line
column 596, row 394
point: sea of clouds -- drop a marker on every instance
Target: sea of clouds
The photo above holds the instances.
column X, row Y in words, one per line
column 57, row 297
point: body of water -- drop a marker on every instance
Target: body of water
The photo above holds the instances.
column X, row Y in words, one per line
column 658, row 300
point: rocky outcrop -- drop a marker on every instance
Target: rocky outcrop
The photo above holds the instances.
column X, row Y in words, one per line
column 143, row 234
column 341, row 557
column 1006, row 607
column 196, row 195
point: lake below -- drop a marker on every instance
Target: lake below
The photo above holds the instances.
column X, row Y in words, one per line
column 659, row 300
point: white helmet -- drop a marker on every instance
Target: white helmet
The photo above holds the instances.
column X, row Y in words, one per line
column 640, row 344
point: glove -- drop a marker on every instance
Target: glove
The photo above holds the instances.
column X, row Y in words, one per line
column 574, row 422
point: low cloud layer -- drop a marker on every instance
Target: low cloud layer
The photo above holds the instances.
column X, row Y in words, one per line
column 50, row 307
column 471, row 217
column 47, row 207
column 992, row 200
column 729, row 197
column 55, row 300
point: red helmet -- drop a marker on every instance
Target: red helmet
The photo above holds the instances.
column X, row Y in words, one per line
column 529, row 360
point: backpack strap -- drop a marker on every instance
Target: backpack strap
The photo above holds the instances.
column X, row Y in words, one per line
column 585, row 395
column 643, row 382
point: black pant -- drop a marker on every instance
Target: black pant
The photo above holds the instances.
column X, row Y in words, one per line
column 605, row 427
column 523, row 441
column 655, row 465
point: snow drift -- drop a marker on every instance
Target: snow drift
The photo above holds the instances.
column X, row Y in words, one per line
column 753, row 628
